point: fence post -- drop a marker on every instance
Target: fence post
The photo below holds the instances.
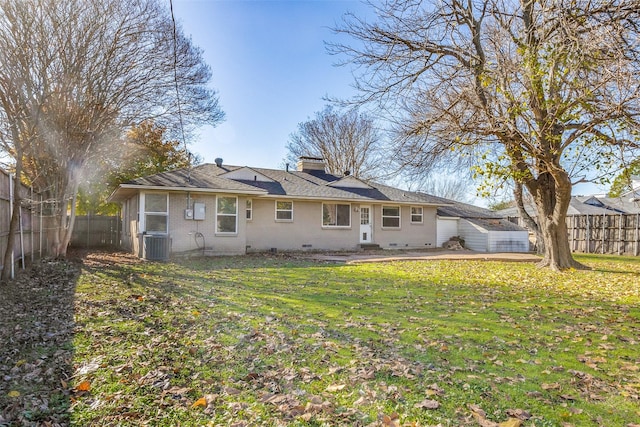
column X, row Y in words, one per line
column 21, row 236
column 40, row 226
column 620, row 248
column 635, row 241
column 604, row 219
column 573, row 227
column 587, row 235
column 31, row 222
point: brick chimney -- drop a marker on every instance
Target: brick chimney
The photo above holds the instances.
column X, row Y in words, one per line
column 308, row 164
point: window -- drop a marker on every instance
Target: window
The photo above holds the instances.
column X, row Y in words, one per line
column 284, row 211
column 391, row 216
column 226, row 215
column 336, row 215
column 249, row 210
column 156, row 213
column 416, row 214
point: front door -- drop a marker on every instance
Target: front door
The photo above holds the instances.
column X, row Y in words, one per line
column 365, row 224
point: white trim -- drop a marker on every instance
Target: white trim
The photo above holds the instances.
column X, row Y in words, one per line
column 248, row 201
column 334, row 226
column 411, row 214
column 365, row 228
column 226, row 233
column 382, row 217
column 192, row 189
column 142, row 221
column 276, row 210
column 265, row 195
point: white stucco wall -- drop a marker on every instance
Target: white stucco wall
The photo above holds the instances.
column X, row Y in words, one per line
column 263, row 232
column 304, row 232
column 480, row 239
column 447, row 228
column 475, row 237
column 508, row 241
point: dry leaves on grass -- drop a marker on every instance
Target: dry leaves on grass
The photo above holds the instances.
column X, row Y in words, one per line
column 36, row 314
column 516, row 417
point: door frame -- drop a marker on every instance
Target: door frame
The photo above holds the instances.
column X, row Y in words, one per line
column 365, row 229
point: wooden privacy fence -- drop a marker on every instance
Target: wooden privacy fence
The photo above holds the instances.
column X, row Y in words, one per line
column 93, row 231
column 28, row 241
column 31, row 240
column 605, row 234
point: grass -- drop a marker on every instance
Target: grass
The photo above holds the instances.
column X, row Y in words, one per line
column 267, row 340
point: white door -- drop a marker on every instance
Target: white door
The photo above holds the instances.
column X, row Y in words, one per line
column 365, row 224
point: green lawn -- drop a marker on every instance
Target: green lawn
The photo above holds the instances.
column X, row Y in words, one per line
column 266, row 340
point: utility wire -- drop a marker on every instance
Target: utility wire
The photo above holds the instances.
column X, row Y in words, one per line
column 175, row 80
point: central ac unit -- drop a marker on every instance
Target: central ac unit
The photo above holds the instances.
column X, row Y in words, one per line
column 155, row 247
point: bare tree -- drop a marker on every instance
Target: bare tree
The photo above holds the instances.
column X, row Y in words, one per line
column 449, row 187
column 539, row 92
column 347, row 141
column 75, row 74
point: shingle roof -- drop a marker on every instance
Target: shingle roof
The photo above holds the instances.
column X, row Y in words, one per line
column 464, row 210
column 495, row 224
column 197, row 178
column 585, row 205
column 294, row 184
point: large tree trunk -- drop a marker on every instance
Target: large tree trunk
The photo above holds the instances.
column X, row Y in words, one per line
column 529, row 221
column 552, row 194
column 62, row 221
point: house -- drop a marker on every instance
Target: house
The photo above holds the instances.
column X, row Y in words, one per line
column 223, row 209
column 481, row 229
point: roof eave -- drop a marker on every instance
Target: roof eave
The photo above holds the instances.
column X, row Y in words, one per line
column 114, row 197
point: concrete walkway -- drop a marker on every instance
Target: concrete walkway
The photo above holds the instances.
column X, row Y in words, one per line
column 393, row 255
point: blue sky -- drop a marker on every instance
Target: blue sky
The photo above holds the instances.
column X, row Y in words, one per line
column 270, row 68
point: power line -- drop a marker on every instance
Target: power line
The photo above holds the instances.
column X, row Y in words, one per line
column 175, row 80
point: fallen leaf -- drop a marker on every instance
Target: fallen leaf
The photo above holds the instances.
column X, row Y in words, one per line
column 202, row 402
column 13, row 393
column 551, row 386
column 231, row 391
column 391, row 421
column 336, row 387
column 511, row 422
column 428, row 404
column 83, row 386
column 521, row 414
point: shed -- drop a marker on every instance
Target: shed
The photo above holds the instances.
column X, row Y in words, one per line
column 483, row 230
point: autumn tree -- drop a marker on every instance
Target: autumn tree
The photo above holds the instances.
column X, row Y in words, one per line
column 346, row 140
column 75, row 74
column 539, row 92
column 623, row 182
column 145, row 150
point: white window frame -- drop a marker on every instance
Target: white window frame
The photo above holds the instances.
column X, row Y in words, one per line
column 249, row 210
column 421, row 214
column 393, row 227
column 145, row 213
column 283, row 210
column 336, row 215
column 235, row 215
